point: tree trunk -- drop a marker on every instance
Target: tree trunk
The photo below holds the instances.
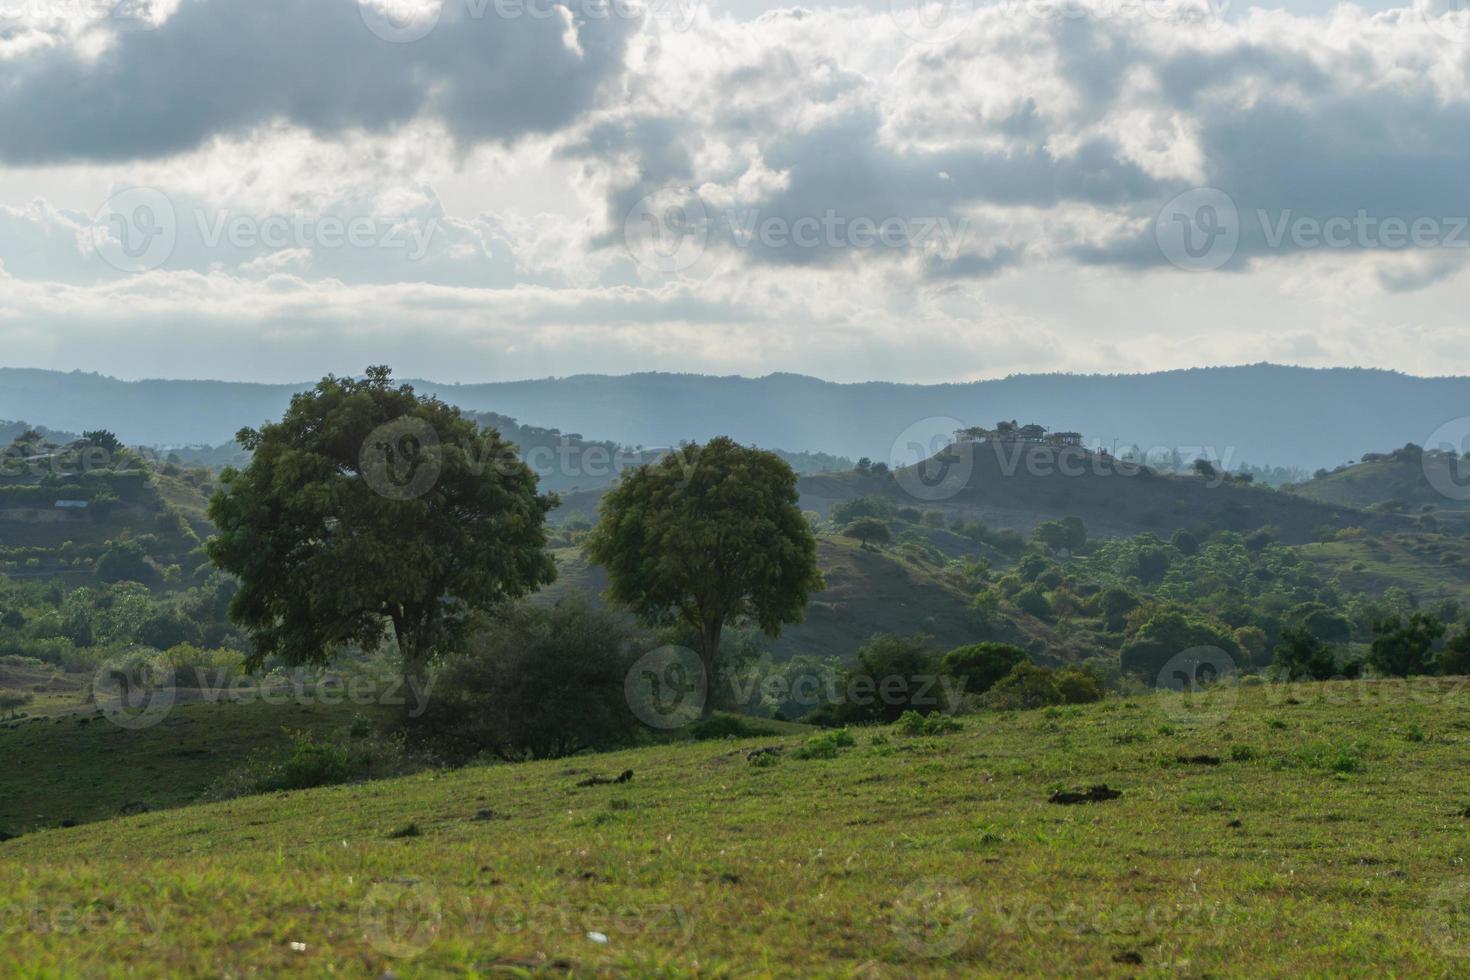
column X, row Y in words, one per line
column 711, row 656
column 415, row 665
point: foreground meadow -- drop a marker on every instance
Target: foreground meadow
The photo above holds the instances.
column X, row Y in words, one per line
column 1266, row 830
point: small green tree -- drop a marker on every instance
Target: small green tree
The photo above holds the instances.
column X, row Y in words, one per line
column 13, row 701
column 708, row 536
column 1068, row 533
column 103, row 439
column 1403, row 647
column 867, row 529
column 846, row 511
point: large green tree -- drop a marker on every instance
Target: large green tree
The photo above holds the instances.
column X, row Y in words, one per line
column 708, row 536
column 367, row 507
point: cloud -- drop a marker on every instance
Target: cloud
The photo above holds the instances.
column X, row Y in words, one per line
column 1021, row 163
column 223, row 67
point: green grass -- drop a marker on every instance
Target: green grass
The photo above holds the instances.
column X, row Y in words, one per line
column 1414, row 562
column 1325, row 842
column 82, row 768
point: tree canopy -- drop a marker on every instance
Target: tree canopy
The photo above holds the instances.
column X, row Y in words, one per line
column 708, row 536
column 365, row 506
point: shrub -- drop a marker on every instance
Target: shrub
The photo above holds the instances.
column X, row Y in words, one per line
column 1032, row 600
column 1455, row 658
column 980, row 665
column 913, row 723
column 1404, row 646
column 722, row 726
column 536, row 683
column 1077, row 686
column 312, row 762
column 826, row 745
column 893, row 674
column 1302, row 656
column 1027, row 686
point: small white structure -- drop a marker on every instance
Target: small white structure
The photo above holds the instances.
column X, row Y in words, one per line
column 72, row 504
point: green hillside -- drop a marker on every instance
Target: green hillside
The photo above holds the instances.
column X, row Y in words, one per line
column 868, row 591
column 1428, row 485
column 1015, row 485
column 63, row 507
column 78, row 767
column 896, row 856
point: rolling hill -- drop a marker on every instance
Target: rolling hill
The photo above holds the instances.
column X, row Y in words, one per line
column 895, row 856
column 1017, row 485
column 1410, row 480
column 1259, row 413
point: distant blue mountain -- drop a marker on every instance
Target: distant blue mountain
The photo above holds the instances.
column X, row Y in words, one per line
column 1261, row 413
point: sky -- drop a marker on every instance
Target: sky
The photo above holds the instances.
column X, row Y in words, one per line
column 474, row 190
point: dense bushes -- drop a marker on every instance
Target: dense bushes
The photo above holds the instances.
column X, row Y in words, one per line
column 980, row 665
column 536, row 683
column 893, row 674
column 1029, row 686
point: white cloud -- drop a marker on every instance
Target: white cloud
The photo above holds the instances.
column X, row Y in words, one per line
column 491, row 166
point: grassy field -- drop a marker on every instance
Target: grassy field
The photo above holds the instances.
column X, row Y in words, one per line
column 78, row 767
column 1427, row 565
column 1283, row 831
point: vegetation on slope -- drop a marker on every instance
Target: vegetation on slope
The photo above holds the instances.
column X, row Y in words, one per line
column 890, row 854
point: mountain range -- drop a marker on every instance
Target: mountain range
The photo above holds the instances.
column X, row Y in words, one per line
column 1260, row 413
